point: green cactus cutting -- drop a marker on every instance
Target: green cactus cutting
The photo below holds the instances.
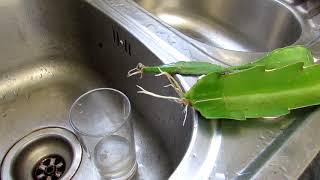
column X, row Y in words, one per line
column 283, row 80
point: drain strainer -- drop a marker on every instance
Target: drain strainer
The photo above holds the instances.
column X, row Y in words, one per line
column 46, row 154
column 51, row 167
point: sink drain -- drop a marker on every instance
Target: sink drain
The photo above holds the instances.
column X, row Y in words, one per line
column 51, row 167
column 45, row 154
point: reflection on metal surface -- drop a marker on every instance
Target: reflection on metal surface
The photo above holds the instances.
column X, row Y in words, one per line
column 300, row 145
column 173, row 20
column 235, row 25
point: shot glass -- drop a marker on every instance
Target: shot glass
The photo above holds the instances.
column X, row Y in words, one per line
column 101, row 121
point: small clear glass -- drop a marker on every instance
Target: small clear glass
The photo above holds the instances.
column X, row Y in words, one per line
column 102, row 123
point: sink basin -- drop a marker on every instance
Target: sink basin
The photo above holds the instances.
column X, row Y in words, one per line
column 247, row 25
column 54, row 51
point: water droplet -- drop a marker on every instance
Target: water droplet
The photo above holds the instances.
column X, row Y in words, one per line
column 220, row 176
column 194, row 155
column 287, row 176
column 40, row 75
column 262, row 138
column 284, row 126
column 12, row 109
column 270, row 131
column 7, row 76
column 265, row 143
column 160, row 32
column 27, row 96
column 283, row 169
column 4, row 114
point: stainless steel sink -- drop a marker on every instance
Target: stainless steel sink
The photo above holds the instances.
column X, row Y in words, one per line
column 248, row 25
column 52, row 52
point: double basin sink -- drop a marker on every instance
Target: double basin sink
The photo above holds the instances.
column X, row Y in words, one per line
column 53, row 51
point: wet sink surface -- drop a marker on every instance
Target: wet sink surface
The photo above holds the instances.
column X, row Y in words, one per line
column 247, row 25
column 39, row 96
column 51, row 53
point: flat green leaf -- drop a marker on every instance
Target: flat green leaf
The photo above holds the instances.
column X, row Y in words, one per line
column 256, row 92
column 280, row 57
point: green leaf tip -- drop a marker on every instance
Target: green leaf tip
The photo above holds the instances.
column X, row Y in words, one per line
column 256, row 92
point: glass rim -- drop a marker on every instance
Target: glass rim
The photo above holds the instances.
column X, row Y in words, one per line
column 126, row 118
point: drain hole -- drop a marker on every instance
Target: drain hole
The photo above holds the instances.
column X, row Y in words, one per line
column 100, row 45
column 50, row 167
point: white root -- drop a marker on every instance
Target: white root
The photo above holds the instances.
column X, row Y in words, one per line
column 170, row 98
column 136, row 70
column 185, row 111
column 174, row 84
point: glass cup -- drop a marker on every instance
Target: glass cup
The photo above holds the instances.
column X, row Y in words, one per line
column 101, row 120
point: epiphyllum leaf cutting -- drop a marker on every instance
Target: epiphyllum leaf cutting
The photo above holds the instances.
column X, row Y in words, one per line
column 275, row 59
column 256, row 92
column 283, row 80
